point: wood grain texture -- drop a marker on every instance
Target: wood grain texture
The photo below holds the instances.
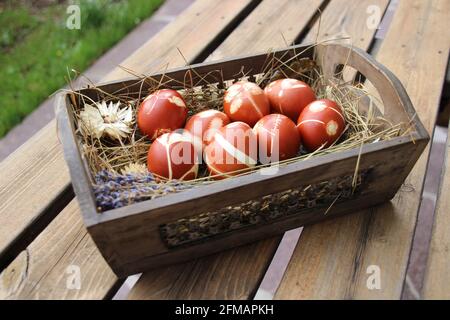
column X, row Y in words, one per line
column 331, row 260
column 47, row 269
column 232, row 274
column 90, row 261
column 200, row 26
column 346, row 21
column 39, row 164
column 273, row 24
column 34, row 187
column 342, row 18
column 269, row 25
column 437, row 277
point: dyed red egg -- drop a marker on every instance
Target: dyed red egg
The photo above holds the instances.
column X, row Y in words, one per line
column 246, row 102
column 172, row 156
column 320, row 123
column 234, row 147
column 204, row 124
column 161, row 112
column 278, row 138
column 289, row 97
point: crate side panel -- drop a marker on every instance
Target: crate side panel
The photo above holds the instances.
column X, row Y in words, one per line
column 138, row 236
column 250, row 235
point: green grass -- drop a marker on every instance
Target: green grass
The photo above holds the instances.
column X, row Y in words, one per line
column 37, row 49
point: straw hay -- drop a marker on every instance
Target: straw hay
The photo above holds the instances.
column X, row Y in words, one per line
column 365, row 123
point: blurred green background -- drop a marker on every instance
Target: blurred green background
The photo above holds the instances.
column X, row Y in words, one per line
column 37, row 50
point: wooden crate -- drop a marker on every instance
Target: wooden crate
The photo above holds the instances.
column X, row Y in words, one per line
column 207, row 219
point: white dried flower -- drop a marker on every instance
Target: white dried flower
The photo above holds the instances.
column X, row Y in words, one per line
column 102, row 119
column 134, row 168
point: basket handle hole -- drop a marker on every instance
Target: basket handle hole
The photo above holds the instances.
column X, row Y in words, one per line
column 371, row 102
column 348, row 74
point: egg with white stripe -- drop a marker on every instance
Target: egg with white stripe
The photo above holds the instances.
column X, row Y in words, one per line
column 289, row 96
column 173, row 156
column 233, row 150
column 162, row 111
column 204, row 124
column 278, row 138
column 246, row 102
column 321, row 123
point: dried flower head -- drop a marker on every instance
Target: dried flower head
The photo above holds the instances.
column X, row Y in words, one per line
column 134, row 168
column 102, row 119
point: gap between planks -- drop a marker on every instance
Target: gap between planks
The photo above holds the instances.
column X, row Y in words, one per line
column 235, row 273
column 437, row 277
column 331, row 260
column 166, row 284
column 213, row 16
column 328, row 25
column 39, row 164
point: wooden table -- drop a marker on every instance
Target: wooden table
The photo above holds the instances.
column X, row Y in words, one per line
column 43, row 243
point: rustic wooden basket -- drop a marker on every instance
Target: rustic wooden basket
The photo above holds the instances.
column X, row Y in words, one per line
column 232, row 212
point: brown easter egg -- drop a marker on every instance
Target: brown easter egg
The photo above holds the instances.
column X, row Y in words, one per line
column 204, row 124
column 278, row 138
column 161, row 112
column 289, row 97
column 172, row 156
column 320, row 123
column 246, row 102
column 233, row 147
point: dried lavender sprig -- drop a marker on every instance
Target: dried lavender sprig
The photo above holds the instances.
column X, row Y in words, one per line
column 114, row 190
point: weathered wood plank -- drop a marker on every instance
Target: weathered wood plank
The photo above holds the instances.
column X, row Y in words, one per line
column 338, row 259
column 272, row 25
column 232, row 274
column 48, row 268
column 341, row 18
column 339, row 25
column 28, row 176
column 39, row 163
column 56, row 169
column 152, row 284
column 198, row 29
column 437, row 277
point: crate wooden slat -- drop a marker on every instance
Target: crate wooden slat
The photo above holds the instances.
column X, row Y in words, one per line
column 437, row 277
column 57, row 168
column 156, row 284
column 331, row 259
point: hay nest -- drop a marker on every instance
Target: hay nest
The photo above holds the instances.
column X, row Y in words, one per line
column 118, row 165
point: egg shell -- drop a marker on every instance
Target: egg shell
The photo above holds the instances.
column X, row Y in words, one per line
column 161, row 112
column 172, row 156
column 233, row 147
column 289, row 97
column 321, row 123
column 246, row 102
column 278, row 138
column 203, row 125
